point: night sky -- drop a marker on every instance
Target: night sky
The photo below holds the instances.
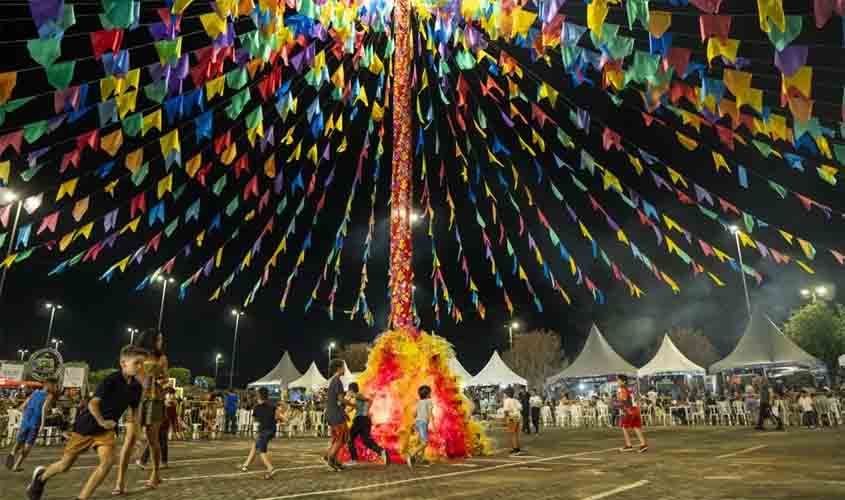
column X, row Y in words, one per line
column 96, row 314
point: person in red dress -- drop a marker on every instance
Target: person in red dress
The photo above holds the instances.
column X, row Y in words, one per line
column 631, row 418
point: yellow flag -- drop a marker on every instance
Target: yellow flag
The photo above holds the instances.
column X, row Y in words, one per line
column 719, row 161
column 126, row 103
column 715, row 279
column 584, row 231
column 805, row 267
column 67, row 188
column 179, row 6
column 378, row 112
column 215, row 295
column 362, row 96
column 4, row 171
column 312, row 154
column 688, row 142
column 213, row 24
column 134, row 160
column 80, row 208
column 771, row 10
column 801, row 81
column 131, row 225
column 170, row 142
column 215, row 87
column 522, row 275
column 717, row 47
column 635, row 162
column 110, row 187
column 164, row 186
column 85, row 231
column 219, row 258
column 151, row 121
column 786, row 236
column 66, row 240
column 596, row 13
column 676, row 176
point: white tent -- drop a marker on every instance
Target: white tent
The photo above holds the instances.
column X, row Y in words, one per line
column 459, row 371
column 763, row 344
column 669, row 359
column 496, row 372
column 348, row 376
column 597, row 359
column 313, row 380
column 284, row 373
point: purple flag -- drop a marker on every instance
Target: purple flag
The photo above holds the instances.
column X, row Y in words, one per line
column 790, row 59
column 46, row 10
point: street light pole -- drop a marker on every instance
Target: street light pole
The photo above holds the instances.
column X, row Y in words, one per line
column 217, row 367
column 237, row 314
column 815, row 293
column 132, row 332
column 164, row 282
column 52, row 308
column 10, row 196
column 22, row 353
column 331, row 346
column 513, row 325
column 735, row 231
column 57, row 343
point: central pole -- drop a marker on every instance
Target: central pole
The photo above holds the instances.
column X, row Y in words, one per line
column 401, row 190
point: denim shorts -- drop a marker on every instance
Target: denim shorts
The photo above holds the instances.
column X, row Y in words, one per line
column 28, row 435
column 422, row 430
column 263, row 440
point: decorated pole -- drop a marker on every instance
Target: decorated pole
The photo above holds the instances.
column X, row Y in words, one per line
column 401, row 274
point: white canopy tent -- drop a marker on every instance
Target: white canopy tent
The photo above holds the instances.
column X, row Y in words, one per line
column 669, row 359
column 313, row 380
column 459, row 371
column 348, row 376
column 284, row 373
column 597, row 359
column 763, row 344
column 496, row 372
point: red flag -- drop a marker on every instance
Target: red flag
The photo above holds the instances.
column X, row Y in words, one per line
column 718, row 26
column 104, row 41
column 251, row 187
column 139, row 203
column 49, row 222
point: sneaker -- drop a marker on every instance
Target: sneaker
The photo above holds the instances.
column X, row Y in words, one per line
column 385, row 457
column 328, row 462
column 626, row 449
column 410, row 461
column 10, row 461
column 351, row 463
column 334, row 464
column 516, row 452
column 36, row 487
column 643, row 448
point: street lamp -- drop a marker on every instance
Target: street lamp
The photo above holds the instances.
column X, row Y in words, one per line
column 237, row 314
column 10, row 196
column 814, row 293
column 132, row 332
column 331, row 346
column 735, row 231
column 56, row 343
column 513, row 325
column 164, row 281
column 52, row 308
column 217, row 360
column 22, row 353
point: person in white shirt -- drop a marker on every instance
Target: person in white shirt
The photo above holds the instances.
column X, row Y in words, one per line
column 536, row 403
column 808, row 413
column 652, row 396
column 513, row 419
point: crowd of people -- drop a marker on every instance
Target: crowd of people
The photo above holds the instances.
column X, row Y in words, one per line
column 138, row 401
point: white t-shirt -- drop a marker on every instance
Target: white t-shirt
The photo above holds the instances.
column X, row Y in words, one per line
column 806, row 403
column 652, row 396
column 535, row 402
column 512, row 407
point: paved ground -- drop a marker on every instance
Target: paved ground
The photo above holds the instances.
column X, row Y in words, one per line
column 701, row 463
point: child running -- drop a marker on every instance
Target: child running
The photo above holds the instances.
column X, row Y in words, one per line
column 513, row 419
column 361, row 426
column 335, row 415
column 35, row 410
column 94, row 428
column 265, row 414
column 631, row 418
column 424, row 412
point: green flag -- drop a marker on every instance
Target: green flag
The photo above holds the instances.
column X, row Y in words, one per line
column 132, row 124
column 34, row 131
column 60, row 74
column 782, row 39
column 45, row 51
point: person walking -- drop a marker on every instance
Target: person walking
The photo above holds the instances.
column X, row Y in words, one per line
column 231, row 406
column 766, row 399
column 513, row 414
column 525, row 401
column 536, row 403
column 335, row 415
column 631, row 418
column 265, row 415
column 35, row 410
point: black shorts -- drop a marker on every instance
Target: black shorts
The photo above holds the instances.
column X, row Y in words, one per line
column 263, row 440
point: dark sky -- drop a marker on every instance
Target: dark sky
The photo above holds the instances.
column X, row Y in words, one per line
column 96, row 314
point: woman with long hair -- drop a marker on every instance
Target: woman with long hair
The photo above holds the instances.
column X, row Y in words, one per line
column 153, row 379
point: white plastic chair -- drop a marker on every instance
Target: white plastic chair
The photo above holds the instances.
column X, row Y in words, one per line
column 13, row 424
column 562, row 415
column 603, row 414
column 741, row 413
column 546, row 416
column 576, row 415
column 697, row 413
column 725, row 412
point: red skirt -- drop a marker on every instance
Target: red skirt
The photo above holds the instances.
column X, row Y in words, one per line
column 632, row 419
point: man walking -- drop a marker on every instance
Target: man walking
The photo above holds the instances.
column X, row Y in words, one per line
column 766, row 398
column 231, row 407
column 524, row 400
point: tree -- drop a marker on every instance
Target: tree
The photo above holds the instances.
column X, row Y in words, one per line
column 693, row 344
column 535, row 355
column 205, row 382
column 819, row 329
column 355, row 355
column 182, row 375
column 97, row 376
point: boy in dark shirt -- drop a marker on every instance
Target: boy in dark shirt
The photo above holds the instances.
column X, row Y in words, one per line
column 335, row 415
column 94, row 428
column 265, row 414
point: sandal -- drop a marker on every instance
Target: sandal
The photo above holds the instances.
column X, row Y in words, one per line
column 117, row 492
column 244, row 468
column 151, row 484
column 269, row 475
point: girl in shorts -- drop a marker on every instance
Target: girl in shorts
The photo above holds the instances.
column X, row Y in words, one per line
column 631, row 418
